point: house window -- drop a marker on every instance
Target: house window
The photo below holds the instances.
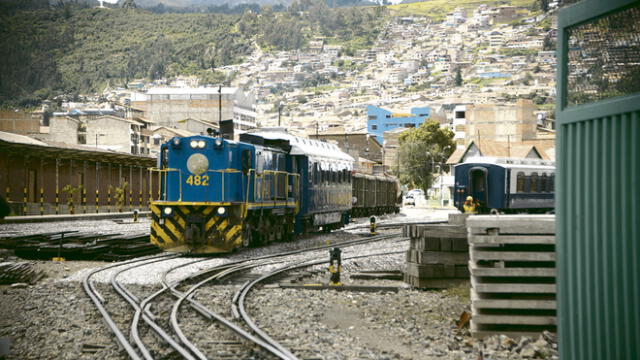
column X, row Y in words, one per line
column 409, row 125
column 373, row 117
column 374, row 127
column 388, row 116
column 156, row 141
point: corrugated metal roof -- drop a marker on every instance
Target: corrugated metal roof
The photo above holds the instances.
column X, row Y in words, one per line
column 19, row 139
column 304, row 146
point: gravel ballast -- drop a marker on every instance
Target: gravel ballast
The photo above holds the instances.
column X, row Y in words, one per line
column 54, row 319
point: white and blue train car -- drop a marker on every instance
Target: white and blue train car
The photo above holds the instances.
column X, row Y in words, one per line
column 503, row 185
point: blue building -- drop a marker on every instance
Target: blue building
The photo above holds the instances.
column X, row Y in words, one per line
column 380, row 120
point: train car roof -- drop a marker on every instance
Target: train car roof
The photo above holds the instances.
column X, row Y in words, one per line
column 299, row 145
column 510, row 162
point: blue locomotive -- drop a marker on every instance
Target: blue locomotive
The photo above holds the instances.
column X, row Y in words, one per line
column 218, row 194
column 505, row 185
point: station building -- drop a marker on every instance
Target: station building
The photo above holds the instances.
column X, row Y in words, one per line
column 40, row 178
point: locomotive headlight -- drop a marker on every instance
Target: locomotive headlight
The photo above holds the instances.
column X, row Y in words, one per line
column 201, row 144
column 176, row 142
column 193, row 144
column 218, row 142
column 221, row 211
column 167, row 211
column 197, row 163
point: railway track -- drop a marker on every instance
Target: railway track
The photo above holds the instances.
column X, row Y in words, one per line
column 191, row 326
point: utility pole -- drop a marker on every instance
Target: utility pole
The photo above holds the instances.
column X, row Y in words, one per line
column 219, row 105
column 279, row 112
column 317, row 129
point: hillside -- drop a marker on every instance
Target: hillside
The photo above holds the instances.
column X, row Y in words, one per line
column 77, row 51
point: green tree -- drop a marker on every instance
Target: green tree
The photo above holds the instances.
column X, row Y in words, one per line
column 458, row 79
column 129, row 4
column 421, row 149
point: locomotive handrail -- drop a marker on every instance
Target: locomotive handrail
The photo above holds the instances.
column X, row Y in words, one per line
column 222, row 173
column 164, row 173
column 296, row 191
column 162, row 186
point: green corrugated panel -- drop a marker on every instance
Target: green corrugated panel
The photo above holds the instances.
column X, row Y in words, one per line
column 598, row 192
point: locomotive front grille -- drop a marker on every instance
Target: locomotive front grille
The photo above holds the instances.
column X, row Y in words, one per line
column 193, row 228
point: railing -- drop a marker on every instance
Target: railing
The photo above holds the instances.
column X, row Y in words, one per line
column 162, row 185
column 268, row 186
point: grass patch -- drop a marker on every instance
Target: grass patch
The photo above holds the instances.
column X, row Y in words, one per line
column 438, row 9
column 463, row 291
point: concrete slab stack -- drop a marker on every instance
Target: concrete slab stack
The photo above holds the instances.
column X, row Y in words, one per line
column 513, row 278
column 437, row 257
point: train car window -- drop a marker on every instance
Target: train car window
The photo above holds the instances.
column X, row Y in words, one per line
column 527, row 184
column 544, row 182
column 551, row 186
column 315, row 174
column 520, row 182
column 535, row 183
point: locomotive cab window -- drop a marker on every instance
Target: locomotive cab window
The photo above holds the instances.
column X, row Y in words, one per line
column 259, row 163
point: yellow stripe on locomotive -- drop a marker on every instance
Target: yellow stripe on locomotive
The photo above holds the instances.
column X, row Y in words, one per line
column 199, row 229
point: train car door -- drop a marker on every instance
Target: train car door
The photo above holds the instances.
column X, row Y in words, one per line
column 478, row 181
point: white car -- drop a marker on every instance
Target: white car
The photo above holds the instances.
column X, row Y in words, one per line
column 409, row 200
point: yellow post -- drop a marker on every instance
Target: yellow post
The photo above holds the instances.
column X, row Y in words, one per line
column 41, row 201
column 24, row 206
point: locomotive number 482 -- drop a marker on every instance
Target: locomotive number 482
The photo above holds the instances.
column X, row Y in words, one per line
column 197, row 180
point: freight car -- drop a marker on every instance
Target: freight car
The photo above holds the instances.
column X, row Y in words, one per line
column 217, row 194
column 375, row 195
column 506, row 185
